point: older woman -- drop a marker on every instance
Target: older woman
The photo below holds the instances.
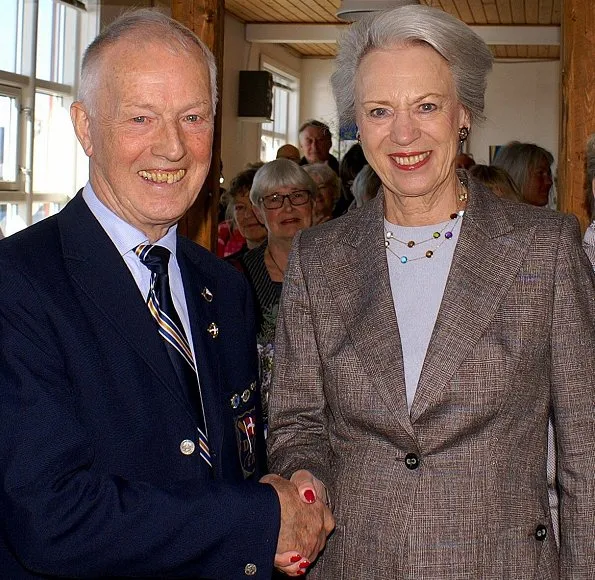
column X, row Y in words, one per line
column 365, row 187
column 282, row 197
column 241, row 214
column 424, row 339
column 530, row 167
column 328, row 191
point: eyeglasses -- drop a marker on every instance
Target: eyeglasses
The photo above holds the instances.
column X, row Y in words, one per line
column 276, row 200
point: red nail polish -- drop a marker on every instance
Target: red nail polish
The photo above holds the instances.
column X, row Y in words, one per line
column 295, row 559
column 304, row 564
column 309, row 495
column 300, row 572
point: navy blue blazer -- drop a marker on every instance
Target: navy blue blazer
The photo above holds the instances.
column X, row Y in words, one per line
column 92, row 417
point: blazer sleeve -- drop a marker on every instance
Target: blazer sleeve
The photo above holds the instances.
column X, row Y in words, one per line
column 573, row 400
column 298, row 436
column 64, row 515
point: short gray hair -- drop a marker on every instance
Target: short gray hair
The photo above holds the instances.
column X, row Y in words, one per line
column 326, row 175
column 145, row 23
column 468, row 56
column 280, row 173
column 520, row 159
column 591, row 173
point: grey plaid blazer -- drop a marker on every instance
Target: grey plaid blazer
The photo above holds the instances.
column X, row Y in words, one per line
column 457, row 489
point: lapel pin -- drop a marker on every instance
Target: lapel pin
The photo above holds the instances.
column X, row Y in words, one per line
column 235, row 401
column 213, row 330
column 207, row 294
column 253, row 386
column 246, row 396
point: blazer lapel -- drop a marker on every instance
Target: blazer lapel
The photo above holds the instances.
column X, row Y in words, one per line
column 96, row 266
column 487, row 257
column 359, row 272
column 202, row 299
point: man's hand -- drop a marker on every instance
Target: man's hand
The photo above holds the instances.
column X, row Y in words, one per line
column 305, row 524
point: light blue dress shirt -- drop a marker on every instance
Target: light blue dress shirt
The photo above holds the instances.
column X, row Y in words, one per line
column 126, row 237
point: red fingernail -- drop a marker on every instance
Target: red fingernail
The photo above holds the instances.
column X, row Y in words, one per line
column 309, row 495
column 295, row 559
column 300, row 572
column 304, row 564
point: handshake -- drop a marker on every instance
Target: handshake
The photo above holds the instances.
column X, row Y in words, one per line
column 306, row 520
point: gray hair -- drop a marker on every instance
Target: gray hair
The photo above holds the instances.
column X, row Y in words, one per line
column 365, row 185
column 591, row 173
column 144, row 23
column 520, row 159
column 468, row 56
column 317, row 125
column 326, row 175
column 280, row 173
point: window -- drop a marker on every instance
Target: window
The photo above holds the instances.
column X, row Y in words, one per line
column 40, row 162
column 283, row 128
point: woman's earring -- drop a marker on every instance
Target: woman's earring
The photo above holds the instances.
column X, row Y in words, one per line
column 358, row 137
column 463, row 134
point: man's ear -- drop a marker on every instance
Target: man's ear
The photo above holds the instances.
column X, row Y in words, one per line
column 81, row 122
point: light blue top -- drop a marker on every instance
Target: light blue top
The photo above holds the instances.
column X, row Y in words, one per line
column 417, row 288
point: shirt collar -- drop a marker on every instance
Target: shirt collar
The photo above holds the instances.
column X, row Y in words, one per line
column 124, row 236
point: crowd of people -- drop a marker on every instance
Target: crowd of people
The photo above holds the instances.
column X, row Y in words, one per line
column 388, row 375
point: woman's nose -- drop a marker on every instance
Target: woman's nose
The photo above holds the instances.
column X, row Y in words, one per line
column 404, row 130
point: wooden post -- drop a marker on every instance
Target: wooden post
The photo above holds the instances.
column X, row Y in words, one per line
column 206, row 19
column 578, row 104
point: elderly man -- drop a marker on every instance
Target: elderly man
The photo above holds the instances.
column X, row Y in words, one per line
column 129, row 422
column 315, row 141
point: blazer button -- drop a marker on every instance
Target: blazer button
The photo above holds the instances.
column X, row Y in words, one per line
column 187, row 447
column 540, row 533
column 250, row 569
column 411, row 461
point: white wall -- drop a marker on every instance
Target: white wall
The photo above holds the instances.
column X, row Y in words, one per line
column 522, row 103
column 240, row 140
column 316, row 99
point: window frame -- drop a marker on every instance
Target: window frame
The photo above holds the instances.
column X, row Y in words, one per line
column 68, row 44
column 288, row 80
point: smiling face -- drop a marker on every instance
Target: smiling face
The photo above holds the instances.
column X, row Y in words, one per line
column 149, row 133
column 246, row 221
column 324, row 202
column 316, row 144
column 283, row 223
column 408, row 116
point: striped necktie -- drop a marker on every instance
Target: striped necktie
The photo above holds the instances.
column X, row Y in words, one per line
column 161, row 306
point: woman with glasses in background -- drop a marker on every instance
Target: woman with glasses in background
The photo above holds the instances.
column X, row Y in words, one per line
column 283, row 197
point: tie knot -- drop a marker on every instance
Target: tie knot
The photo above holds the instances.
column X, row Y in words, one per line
column 156, row 258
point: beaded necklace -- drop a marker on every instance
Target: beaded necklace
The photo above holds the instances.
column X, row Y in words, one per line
column 447, row 230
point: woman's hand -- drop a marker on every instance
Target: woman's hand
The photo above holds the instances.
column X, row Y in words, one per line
column 310, row 487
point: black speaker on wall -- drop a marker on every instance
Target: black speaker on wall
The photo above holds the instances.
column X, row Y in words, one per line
column 255, row 96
